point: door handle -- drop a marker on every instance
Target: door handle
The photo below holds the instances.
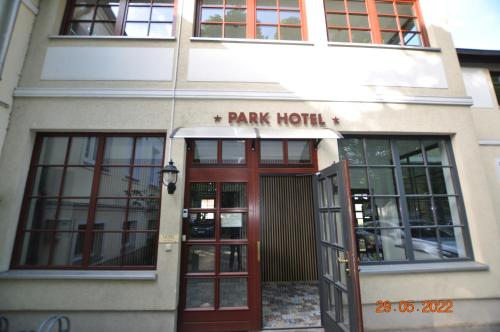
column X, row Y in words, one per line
column 343, row 260
column 258, row 251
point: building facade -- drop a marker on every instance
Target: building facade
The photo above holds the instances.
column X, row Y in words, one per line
column 250, row 99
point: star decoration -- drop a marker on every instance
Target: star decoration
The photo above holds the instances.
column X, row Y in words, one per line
column 217, row 118
column 336, row 120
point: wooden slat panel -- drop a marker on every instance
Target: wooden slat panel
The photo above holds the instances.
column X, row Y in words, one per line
column 288, row 248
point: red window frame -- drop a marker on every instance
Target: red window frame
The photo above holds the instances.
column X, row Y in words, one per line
column 251, row 19
column 121, row 17
column 374, row 25
column 90, row 231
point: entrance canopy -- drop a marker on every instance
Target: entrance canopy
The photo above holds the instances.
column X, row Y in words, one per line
column 248, row 132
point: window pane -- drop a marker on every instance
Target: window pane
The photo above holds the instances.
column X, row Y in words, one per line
column 425, row 243
column 447, row 211
column 367, row 245
column 41, row 213
column 236, row 15
column 420, row 211
column 47, row 181
column 146, row 182
column 359, row 36
column 267, row 32
column 83, row 13
column 202, row 195
column 139, row 248
column 233, row 292
column 378, row 152
column 382, row 181
column 149, row 151
column 363, row 211
column 335, row 5
column 240, row 3
column 266, row 3
column 289, row 3
column 339, row 228
column 106, row 249
column 213, row 2
column 392, row 244
column 103, row 29
column 160, row 30
column 118, row 151
column 49, row 248
column 330, row 309
column 202, row 225
column 441, row 180
column 205, row 152
column 412, row 39
column 359, row 21
column 53, row 150
column 336, row 20
column 145, row 212
column 233, row 226
column 162, row 14
column 235, row 31
column 385, row 8
column 80, row 29
column 233, row 258
column 111, row 213
column 408, row 24
column 415, row 180
column 78, row 181
column 200, row 293
column 136, row 29
column 212, row 15
column 233, row 195
column 388, row 22
column 267, row 16
column 114, row 181
column 338, row 35
column 391, row 38
column 201, row 258
column 410, row 152
column 233, row 152
column 106, row 13
column 436, row 152
column 352, row 150
column 290, row 33
column 452, row 243
column 356, row 6
column 405, row 9
column 271, row 152
column 211, row 30
column 299, row 152
column 387, row 212
column 138, row 13
column 359, row 181
column 289, row 17
column 83, row 151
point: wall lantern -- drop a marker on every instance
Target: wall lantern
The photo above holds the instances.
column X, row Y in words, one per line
column 170, row 176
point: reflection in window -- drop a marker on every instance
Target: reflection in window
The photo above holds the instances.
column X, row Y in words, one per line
column 271, row 152
column 424, row 205
column 233, row 152
column 205, row 152
column 133, row 18
column 124, row 221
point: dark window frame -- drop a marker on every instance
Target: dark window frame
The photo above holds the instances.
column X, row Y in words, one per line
column 495, row 79
column 121, row 19
column 401, row 196
column 99, row 169
column 373, row 21
column 251, row 19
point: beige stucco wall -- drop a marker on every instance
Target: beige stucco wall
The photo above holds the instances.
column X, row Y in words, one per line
column 143, row 305
column 18, row 47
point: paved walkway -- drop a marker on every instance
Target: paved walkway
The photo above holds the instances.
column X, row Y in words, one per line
column 488, row 328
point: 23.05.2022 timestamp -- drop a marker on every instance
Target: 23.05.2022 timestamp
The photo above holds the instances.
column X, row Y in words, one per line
column 410, row 306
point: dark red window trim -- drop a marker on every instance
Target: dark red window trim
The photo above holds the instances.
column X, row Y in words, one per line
column 98, row 166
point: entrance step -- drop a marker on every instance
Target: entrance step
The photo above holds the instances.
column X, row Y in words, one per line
column 295, row 330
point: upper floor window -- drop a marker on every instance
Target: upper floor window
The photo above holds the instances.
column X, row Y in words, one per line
column 92, row 201
column 393, row 22
column 495, row 77
column 133, row 18
column 253, row 19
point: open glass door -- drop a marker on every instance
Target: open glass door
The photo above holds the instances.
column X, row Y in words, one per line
column 337, row 255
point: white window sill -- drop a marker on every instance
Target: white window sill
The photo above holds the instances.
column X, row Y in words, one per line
column 392, row 47
column 423, row 268
column 72, row 37
column 78, row 275
column 251, row 41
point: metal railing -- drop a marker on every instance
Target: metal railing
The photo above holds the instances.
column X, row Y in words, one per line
column 61, row 321
column 4, row 324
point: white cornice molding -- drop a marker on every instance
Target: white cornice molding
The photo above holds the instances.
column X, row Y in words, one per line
column 31, row 6
column 489, row 142
column 235, row 95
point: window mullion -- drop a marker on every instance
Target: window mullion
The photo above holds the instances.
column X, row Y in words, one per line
column 120, row 20
column 87, row 247
column 403, row 206
column 374, row 24
column 251, row 19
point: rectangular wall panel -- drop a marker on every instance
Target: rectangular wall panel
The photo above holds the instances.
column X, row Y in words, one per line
column 300, row 68
column 108, row 64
